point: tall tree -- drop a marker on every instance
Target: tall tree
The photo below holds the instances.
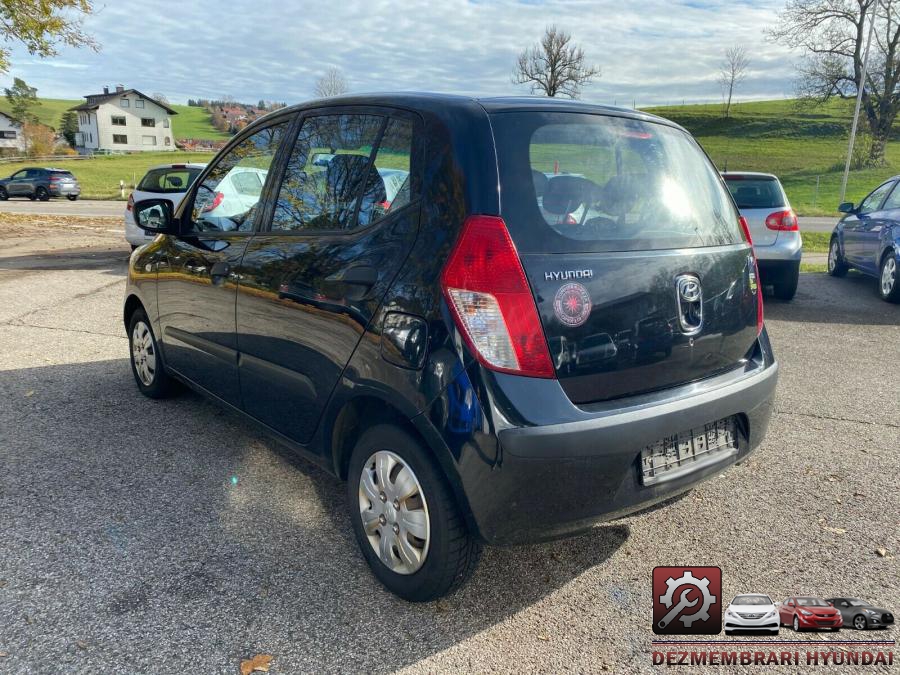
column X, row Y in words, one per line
column 332, row 83
column 554, row 66
column 732, row 73
column 68, row 126
column 832, row 34
column 161, row 98
column 22, row 99
column 43, row 25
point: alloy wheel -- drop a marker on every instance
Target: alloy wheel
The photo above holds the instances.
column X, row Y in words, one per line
column 796, row 624
column 832, row 256
column 143, row 353
column 394, row 512
column 859, row 623
column 888, row 276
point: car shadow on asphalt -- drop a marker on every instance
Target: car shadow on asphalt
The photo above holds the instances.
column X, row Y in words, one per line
column 113, row 261
column 163, row 523
column 825, row 299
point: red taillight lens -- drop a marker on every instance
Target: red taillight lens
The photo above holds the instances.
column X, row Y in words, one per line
column 746, row 228
column 214, row 204
column 130, row 205
column 783, row 220
column 488, row 294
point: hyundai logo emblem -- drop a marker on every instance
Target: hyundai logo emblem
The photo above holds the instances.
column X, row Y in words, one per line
column 689, row 295
column 689, row 288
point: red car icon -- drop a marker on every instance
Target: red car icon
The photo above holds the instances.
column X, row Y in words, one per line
column 804, row 613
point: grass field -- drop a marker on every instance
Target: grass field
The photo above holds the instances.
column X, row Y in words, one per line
column 99, row 177
column 190, row 122
column 798, row 142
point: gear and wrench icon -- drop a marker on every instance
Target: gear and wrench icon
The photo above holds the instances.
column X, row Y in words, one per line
column 688, row 579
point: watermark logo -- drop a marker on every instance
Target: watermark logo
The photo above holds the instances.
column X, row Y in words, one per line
column 687, row 600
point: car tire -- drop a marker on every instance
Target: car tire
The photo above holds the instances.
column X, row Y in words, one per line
column 72, row 198
column 860, row 622
column 796, row 624
column 146, row 360
column 32, row 196
column 42, row 194
column 774, row 632
column 729, row 632
column 785, row 288
column 835, row 629
column 837, row 266
column 889, row 278
column 427, row 567
column 4, row 195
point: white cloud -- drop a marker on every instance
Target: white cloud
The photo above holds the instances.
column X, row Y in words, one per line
column 651, row 51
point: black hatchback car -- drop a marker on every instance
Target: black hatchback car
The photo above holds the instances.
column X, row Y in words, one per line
column 500, row 320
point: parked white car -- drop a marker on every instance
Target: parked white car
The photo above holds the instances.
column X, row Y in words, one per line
column 170, row 181
column 752, row 612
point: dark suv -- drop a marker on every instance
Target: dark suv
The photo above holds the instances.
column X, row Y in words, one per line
column 40, row 184
column 500, row 320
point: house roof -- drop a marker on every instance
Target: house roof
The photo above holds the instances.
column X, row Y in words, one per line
column 11, row 118
column 94, row 101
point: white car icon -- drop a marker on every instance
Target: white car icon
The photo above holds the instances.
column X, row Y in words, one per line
column 751, row 612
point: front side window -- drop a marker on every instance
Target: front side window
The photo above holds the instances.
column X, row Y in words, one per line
column 575, row 182
column 319, row 194
column 892, row 202
column 226, row 200
column 118, row 120
column 873, row 201
column 120, row 139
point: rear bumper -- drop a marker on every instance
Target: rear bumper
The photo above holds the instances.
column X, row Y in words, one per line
column 788, row 247
column 64, row 190
column 557, row 479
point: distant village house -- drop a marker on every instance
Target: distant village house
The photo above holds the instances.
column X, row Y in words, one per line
column 11, row 136
column 123, row 121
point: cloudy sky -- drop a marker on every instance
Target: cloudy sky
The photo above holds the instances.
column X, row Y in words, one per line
column 651, row 51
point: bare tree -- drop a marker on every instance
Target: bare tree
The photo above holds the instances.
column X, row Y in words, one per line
column 161, row 98
column 332, row 83
column 732, row 73
column 832, row 33
column 554, row 66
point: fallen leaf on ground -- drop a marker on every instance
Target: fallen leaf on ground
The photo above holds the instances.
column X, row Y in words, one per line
column 29, row 393
column 3, row 655
column 836, row 530
column 258, row 664
column 81, row 644
column 544, row 638
column 881, row 551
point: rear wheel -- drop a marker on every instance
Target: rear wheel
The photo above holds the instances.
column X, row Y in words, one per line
column 32, row 196
column 42, row 194
column 785, row 287
column 146, row 361
column 888, row 281
column 837, row 267
column 72, row 198
column 405, row 518
column 4, row 195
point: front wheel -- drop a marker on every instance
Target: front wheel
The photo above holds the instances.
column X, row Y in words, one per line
column 146, row 361
column 860, row 623
column 796, row 625
column 837, row 267
column 72, row 198
column 42, row 194
column 888, row 283
column 405, row 518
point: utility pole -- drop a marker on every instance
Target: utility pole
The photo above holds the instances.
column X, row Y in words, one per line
column 859, row 93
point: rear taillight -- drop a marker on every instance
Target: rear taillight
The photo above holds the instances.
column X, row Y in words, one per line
column 746, row 228
column 487, row 292
column 130, row 205
column 214, row 204
column 783, row 220
column 55, row 179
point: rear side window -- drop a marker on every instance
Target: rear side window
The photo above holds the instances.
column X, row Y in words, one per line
column 572, row 182
column 755, row 193
column 168, row 180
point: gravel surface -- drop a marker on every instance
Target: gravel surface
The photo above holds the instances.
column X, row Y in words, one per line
column 148, row 537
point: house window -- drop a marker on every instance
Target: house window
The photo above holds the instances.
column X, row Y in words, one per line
column 7, row 134
column 118, row 120
column 120, row 138
column 148, row 140
column 148, row 122
column 168, row 141
column 166, row 123
column 124, row 103
column 139, row 103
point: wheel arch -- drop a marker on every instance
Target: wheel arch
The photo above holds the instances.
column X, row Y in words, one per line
column 132, row 304
column 889, row 249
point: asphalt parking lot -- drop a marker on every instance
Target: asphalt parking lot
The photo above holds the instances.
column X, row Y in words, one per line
column 147, row 536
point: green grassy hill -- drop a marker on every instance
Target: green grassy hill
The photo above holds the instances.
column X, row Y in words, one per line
column 190, row 122
column 796, row 141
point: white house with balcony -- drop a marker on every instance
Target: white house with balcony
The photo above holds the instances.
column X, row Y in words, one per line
column 124, row 120
column 11, row 136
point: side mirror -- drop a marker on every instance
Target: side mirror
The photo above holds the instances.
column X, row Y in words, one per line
column 154, row 215
column 846, row 207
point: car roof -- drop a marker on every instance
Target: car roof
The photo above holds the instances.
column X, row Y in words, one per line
column 444, row 103
column 188, row 165
column 749, row 174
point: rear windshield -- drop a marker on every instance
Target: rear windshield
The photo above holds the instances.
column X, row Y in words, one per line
column 62, row 174
column 755, row 192
column 572, row 182
column 168, row 180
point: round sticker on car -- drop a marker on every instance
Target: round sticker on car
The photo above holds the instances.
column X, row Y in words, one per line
column 572, row 305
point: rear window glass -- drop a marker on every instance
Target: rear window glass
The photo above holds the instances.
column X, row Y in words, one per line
column 572, row 182
column 168, row 180
column 62, row 174
column 755, row 193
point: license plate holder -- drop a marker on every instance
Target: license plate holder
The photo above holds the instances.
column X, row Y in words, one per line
column 689, row 451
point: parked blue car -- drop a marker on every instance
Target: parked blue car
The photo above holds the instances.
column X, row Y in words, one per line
column 867, row 238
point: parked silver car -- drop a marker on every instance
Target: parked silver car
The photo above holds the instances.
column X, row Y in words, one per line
column 773, row 227
column 170, row 181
